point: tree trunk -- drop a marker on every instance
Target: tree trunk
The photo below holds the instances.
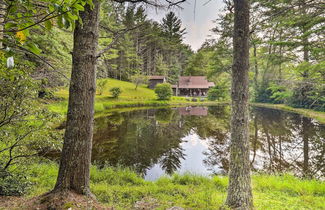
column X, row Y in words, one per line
column 3, row 8
column 256, row 71
column 76, row 154
column 239, row 190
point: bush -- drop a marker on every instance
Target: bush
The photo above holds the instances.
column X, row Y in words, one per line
column 217, row 92
column 115, row 91
column 164, row 91
column 194, row 99
column 13, row 184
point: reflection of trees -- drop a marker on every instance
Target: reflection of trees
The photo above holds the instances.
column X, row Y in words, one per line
column 141, row 141
column 285, row 141
column 171, row 159
column 215, row 128
column 280, row 141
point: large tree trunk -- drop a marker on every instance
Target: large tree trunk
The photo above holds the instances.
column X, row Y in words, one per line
column 76, row 155
column 239, row 190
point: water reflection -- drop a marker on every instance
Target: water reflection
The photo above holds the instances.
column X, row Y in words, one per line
column 196, row 139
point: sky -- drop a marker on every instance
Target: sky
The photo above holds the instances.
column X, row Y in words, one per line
column 198, row 24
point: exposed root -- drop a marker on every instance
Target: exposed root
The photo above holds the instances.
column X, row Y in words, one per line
column 55, row 201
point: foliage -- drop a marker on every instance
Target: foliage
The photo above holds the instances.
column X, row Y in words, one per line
column 149, row 48
column 24, row 128
column 14, row 184
column 101, row 84
column 286, row 55
column 115, row 91
column 139, row 79
column 218, row 92
column 23, row 17
column 164, row 91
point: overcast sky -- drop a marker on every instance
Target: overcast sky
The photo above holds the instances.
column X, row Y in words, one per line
column 197, row 25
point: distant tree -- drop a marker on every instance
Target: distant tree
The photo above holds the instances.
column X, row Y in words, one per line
column 217, row 92
column 101, row 84
column 139, row 79
column 172, row 27
column 164, row 91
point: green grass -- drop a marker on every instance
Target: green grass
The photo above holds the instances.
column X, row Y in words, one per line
column 320, row 116
column 121, row 188
column 129, row 98
column 145, row 97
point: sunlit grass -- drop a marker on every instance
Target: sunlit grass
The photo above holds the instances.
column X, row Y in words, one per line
column 130, row 97
column 121, row 188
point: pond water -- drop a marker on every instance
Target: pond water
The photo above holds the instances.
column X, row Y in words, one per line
column 156, row 142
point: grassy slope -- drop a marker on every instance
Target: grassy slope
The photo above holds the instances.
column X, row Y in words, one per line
column 128, row 98
column 121, row 188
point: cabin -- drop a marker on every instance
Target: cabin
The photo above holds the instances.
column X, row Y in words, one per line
column 192, row 86
column 154, row 80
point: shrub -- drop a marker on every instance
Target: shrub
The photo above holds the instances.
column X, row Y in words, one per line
column 164, row 91
column 217, row 92
column 194, row 99
column 13, row 184
column 101, row 86
column 115, row 91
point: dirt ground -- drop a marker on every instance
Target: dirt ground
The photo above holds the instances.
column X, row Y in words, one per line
column 56, row 201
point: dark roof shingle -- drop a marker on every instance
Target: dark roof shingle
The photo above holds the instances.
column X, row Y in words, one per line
column 194, row 82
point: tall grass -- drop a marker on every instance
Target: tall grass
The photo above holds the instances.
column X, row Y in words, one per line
column 122, row 188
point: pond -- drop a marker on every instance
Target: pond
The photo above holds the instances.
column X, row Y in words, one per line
column 156, row 142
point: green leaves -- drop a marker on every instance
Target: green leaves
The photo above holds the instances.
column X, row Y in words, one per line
column 32, row 47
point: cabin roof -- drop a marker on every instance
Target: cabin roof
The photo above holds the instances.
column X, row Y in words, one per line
column 194, row 82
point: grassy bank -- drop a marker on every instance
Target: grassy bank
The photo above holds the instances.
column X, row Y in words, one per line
column 130, row 97
column 320, row 116
column 144, row 97
column 123, row 189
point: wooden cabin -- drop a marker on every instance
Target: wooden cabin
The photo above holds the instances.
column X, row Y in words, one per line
column 154, row 80
column 192, row 86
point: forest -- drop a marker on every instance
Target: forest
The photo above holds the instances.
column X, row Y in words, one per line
column 80, row 127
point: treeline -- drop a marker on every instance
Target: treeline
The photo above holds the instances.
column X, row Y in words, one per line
column 130, row 42
column 287, row 53
column 139, row 45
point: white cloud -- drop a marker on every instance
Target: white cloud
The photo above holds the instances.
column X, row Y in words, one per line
column 198, row 22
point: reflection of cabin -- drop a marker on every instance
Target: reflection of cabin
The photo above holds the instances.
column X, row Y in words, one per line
column 154, row 80
column 196, row 111
column 192, row 86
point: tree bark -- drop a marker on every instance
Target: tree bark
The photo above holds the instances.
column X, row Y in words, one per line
column 76, row 154
column 3, row 9
column 239, row 190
